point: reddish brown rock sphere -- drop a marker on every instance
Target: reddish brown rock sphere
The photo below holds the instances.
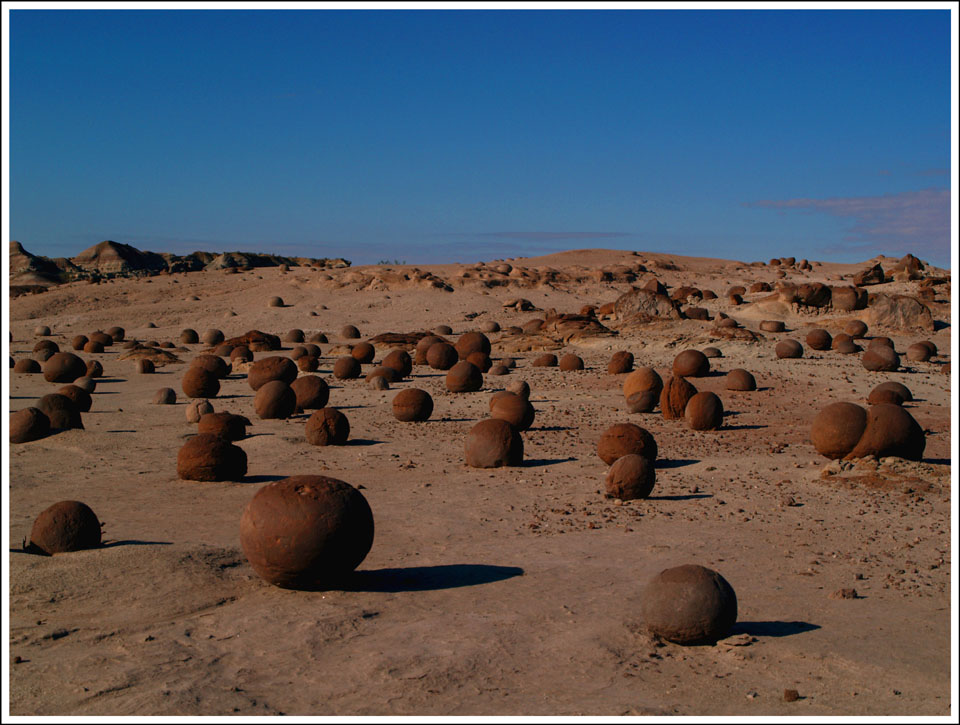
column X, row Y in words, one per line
column 165, row 396
column 63, row 367
column 312, row 392
column 881, row 341
column 819, row 339
column 675, row 396
column 102, row 338
column 363, row 352
column 400, row 361
column 196, row 409
column 884, row 395
column 442, row 356
column 46, row 347
column 307, row 364
column 306, row 532
column 412, row 405
column 328, row 427
column 472, row 342
column 902, row 390
column 78, row 342
column 712, row 352
column 918, row 352
column 521, row 388
column 481, row 360
column 493, row 443
column 27, row 425
column 740, row 380
column 313, row 350
column 211, row 363
column 189, row 337
column 272, row 368
column 691, row 364
column 346, row 368
column 85, row 383
column 881, row 358
column 41, row 330
column 318, row 337
column 499, row 370
column 377, row 382
column 689, row 605
column 512, row 408
column 349, row 332
column 547, row 360
column 930, row 346
column 226, row 425
column 423, row 344
column 208, row 457
column 62, row 412
column 199, row 382
column 621, row 362
column 78, row 395
column 643, row 380
column 390, row 374
column 26, row 366
column 294, row 335
column 890, row 431
column 856, row 329
column 94, row 370
column 212, row 337
column 275, row 400
column 642, row 402
column 117, row 333
column 275, row 302
column 789, row 349
column 223, row 349
column 65, row 526
column 704, row 411
column 630, row 477
column 145, row 366
column 464, row 377
column 623, row 439
column 443, row 330
column 837, row 429
column 772, row 326
column 571, row 362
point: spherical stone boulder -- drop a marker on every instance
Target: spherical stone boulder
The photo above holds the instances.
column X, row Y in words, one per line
column 102, row 338
column 26, row 366
column 319, row 338
column 78, row 342
column 198, row 382
column 117, row 333
column 228, row 426
column 423, row 344
column 884, row 395
column 328, row 427
column 493, row 443
column 211, row 363
column 78, row 395
column 521, row 388
column 691, row 364
column 86, row 383
column 41, row 330
column 363, row 352
column 294, row 335
column 346, row 368
column 349, row 332
column 918, row 352
column 189, row 337
column 930, row 346
column 313, row 350
column 512, row 408
column 472, row 342
column 772, row 326
column 275, row 302
column 642, row 402
column 212, row 337
column 306, row 532
column 856, row 329
column 740, row 380
column 881, row 358
column 630, row 477
column 643, row 380
column 208, row 457
column 94, row 369
column 412, row 405
column 902, row 390
column 481, row 360
column 837, row 429
column 571, row 362
column 490, row 326
column 675, row 396
column 400, row 361
column 27, row 425
column 620, row 362
column 390, row 374
column 312, row 392
column 378, row 382
column 788, row 349
column 65, row 526
column 275, row 400
column 442, row 356
column 223, row 349
column 165, row 396
column 689, row 605
column 890, row 431
column 497, row 396
column 547, row 360
column 878, row 341
column 145, row 366
column 819, row 339
column 46, row 348
column 63, row 367
column 499, row 370
column 308, row 364
column 711, row 352
column 62, row 412
column 622, row 439
column 443, row 330
column 196, row 409
column 464, row 377
column 272, row 368
column 704, row 411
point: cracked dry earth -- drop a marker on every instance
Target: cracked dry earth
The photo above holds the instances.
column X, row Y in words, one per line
column 487, row 592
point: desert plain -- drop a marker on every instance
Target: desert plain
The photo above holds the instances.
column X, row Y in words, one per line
column 506, row 591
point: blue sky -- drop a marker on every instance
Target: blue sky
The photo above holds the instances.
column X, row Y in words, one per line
column 438, row 136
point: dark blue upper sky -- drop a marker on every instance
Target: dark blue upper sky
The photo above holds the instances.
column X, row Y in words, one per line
column 433, row 136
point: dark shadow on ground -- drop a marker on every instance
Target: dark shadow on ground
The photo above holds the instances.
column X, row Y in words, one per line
column 261, row 479
column 532, row 462
column 684, row 497
column 428, row 578
column 362, row 442
column 743, row 427
column 553, row 428
column 675, row 462
column 938, row 461
column 135, row 542
column 772, row 629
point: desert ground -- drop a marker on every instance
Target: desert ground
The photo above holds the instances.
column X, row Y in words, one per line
column 506, row 591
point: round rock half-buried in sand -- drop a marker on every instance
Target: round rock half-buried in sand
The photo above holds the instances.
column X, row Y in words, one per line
column 493, row 443
column 837, row 429
column 689, row 604
column 65, row 526
column 208, row 457
column 27, row 425
column 623, row 439
column 630, row 477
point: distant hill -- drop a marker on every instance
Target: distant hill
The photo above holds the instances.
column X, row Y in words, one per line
column 112, row 259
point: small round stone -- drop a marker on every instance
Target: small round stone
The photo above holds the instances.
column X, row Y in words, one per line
column 346, row 368
column 196, row 409
column 412, row 405
column 275, row 400
column 28, row 424
column 208, row 457
column 328, row 427
column 79, row 396
column 493, row 443
column 66, row 526
column 349, row 332
column 621, row 362
column 441, row 356
column 363, row 352
column 312, row 392
column 789, row 349
column 622, row 439
column 571, row 362
column 63, row 367
column 740, row 380
column 547, row 360
column 689, row 604
column 165, row 396
column 464, row 377
column 691, row 364
column 630, row 477
column 704, row 411
column 819, row 339
column 145, row 366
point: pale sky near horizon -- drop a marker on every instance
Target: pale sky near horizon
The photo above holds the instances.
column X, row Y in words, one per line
column 454, row 135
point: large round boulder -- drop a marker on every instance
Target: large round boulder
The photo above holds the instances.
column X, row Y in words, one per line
column 622, row 439
column 493, row 443
column 208, row 457
column 65, row 526
column 689, row 604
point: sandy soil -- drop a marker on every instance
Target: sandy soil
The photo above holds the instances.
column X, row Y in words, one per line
column 487, row 592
